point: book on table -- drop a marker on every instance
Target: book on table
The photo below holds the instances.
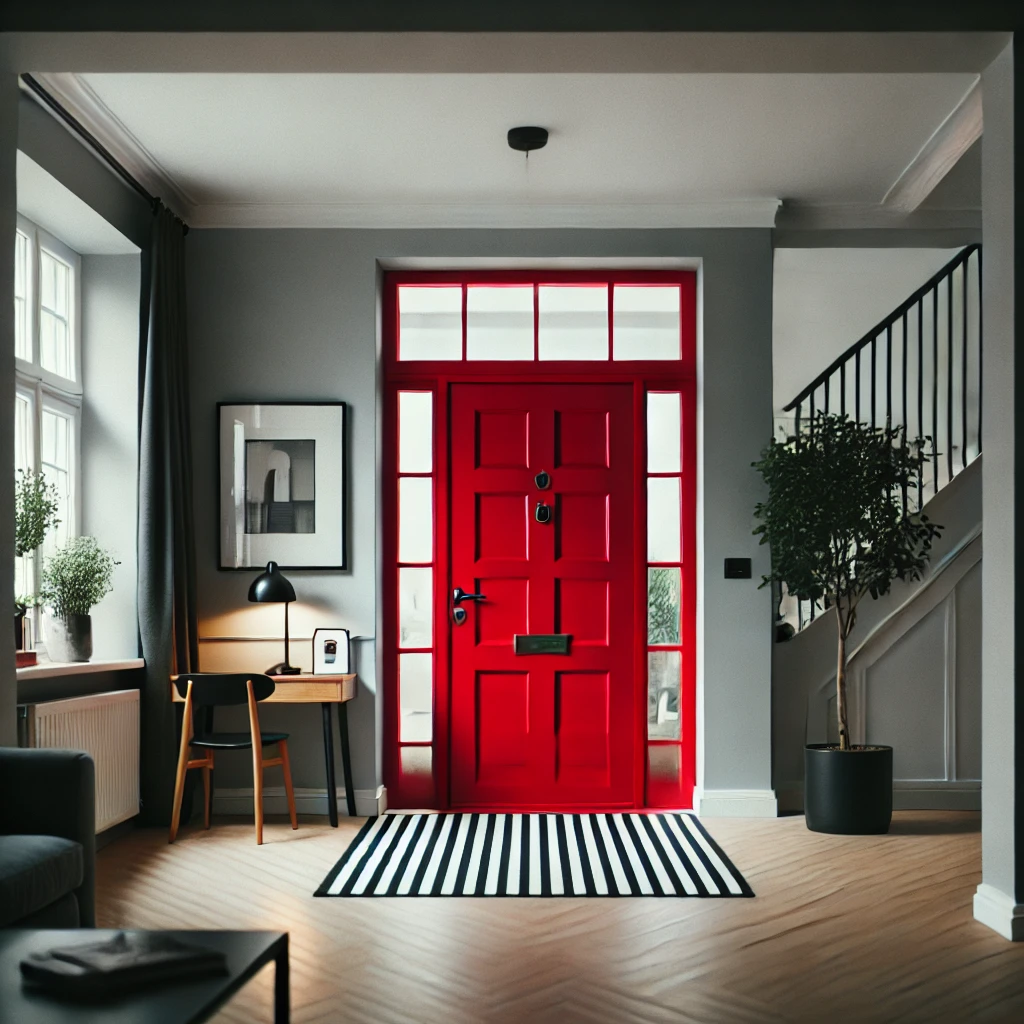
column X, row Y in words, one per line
column 124, row 962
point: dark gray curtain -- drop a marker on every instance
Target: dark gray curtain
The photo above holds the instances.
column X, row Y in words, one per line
column 166, row 537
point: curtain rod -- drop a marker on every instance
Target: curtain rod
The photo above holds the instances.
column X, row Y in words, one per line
column 79, row 129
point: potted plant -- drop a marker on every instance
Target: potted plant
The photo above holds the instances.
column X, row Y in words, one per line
column 75, row 579
column 837, row 521
column 35, row 513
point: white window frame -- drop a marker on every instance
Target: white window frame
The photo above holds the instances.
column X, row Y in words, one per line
column 47, row 390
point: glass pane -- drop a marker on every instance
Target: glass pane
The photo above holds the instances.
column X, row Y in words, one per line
column 23, row 453
column 663, row 544
column 415, row 519
column 415, row 432
column 415, row 607
column 645, row 324
column 430, row 322
column 573, row 322
column 663, row 594
column 499, row 322
column 664, row 762
column 416, row 761
column 56, row 278
column 21, row 329
column 56, row 466
column 20, row 265
column 54, row 344
column 664, row 432
column 663, row 674
column 415, row 698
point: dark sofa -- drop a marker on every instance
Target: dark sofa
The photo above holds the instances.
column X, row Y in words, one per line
column 47, row 839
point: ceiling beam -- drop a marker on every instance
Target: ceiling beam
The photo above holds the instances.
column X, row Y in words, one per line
column 938, row 155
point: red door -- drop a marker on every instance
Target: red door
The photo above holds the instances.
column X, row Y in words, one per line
column 548, row 729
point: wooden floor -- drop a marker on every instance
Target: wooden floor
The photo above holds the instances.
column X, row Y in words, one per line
column 842, row 930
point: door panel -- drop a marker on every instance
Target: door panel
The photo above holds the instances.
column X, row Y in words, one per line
column 547, row 729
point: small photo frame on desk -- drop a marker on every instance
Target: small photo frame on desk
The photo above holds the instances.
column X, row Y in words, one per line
column 331, row 652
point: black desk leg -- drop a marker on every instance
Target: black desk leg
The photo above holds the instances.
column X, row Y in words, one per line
column 346, row 759
column 282, row 996
column 332, row 788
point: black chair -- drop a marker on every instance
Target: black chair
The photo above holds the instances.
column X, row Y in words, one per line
column 214, row 689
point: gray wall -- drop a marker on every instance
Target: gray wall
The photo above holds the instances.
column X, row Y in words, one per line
column 293, row 315
column 110, row 450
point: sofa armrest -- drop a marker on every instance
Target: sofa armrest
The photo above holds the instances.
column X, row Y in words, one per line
column 53, row 793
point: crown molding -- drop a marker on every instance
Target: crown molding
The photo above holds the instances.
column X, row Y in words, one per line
column 849, row 216
column 79, row 98
column 937, row 157
column 758, row 213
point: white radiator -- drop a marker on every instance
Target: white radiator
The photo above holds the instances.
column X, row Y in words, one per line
column 105, row 726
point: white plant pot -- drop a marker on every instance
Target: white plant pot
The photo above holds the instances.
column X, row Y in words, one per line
column 68, row 639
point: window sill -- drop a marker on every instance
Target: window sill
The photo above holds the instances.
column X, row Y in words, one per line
column 56, row 669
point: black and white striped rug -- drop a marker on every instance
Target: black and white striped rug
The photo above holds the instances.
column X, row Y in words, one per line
column 534, row 855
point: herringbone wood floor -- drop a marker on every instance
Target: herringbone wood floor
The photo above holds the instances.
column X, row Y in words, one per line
column 842, row 930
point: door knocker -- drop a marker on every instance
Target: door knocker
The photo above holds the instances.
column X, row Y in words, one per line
column 542, row 513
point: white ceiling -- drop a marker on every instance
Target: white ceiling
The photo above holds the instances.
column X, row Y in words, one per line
column 429, row 149
column 56, row 209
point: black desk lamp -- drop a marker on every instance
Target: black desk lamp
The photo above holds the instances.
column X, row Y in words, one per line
column 271, row 587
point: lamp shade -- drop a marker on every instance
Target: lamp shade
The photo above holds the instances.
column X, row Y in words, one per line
column 271, row 587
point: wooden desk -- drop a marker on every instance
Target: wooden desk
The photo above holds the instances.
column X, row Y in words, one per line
column 325, row 691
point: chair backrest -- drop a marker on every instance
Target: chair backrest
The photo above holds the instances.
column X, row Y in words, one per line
column 220, row 689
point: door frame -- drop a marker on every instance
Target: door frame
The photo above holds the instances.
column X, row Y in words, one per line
column 418, row 789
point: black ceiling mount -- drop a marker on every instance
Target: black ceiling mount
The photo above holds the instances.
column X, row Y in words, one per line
column 526, row 138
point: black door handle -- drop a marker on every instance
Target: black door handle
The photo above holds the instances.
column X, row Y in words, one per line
column 459, row 595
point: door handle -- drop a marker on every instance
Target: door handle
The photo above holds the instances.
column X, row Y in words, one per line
column 458, row 596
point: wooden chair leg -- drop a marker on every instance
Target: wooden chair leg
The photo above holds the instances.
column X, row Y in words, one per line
column 207, row 769
column 257, row 792
column 179, row 777
column 257, row 764
column 286, row 768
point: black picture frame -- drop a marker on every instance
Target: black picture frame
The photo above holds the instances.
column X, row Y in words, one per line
column 326, row 425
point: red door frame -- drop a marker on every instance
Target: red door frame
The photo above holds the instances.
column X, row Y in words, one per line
column 436, row 377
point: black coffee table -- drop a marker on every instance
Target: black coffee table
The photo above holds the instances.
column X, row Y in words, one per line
column 178, row 1002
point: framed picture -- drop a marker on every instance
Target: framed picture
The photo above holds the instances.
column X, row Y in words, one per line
column 282, row 485
column 330, row 652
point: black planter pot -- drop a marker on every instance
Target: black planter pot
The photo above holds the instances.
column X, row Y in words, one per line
column 848, row 792
column 19, row 629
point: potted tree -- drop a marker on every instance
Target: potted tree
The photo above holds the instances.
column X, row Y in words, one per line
column 837, row 521
column 75, row 579
column 35, row 513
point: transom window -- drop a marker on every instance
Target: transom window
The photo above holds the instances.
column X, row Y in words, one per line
column 542, row 321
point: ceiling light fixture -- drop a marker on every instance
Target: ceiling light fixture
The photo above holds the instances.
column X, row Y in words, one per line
column 528, row 137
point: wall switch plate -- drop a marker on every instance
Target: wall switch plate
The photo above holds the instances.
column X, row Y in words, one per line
column 737, row 568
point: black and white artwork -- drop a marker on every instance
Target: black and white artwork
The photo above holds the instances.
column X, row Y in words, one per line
column 282, row 483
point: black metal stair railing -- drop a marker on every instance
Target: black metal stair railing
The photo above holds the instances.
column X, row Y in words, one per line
column 919, row 368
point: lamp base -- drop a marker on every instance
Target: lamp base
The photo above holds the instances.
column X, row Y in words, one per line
column 283, row 669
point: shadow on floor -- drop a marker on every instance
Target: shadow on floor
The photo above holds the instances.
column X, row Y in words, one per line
column 947, row 825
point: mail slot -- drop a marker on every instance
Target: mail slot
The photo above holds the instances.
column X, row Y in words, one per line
column 542, row 643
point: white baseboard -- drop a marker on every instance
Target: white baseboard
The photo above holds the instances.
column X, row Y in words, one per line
column 994, row 908
column 907, row 795
column 735, row 803
column 369, row 802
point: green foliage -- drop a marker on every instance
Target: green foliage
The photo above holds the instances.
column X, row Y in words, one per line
column 77, row 577
column 834, row 513
column 35, row 510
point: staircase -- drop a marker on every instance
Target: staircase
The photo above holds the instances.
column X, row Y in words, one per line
column 919, row 368
column 914, row 665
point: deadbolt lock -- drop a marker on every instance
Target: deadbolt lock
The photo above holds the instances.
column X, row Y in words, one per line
column 542, row 480
column 542, row 513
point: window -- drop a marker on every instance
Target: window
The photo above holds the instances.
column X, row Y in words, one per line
column 533, row 319
column 48, row 390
